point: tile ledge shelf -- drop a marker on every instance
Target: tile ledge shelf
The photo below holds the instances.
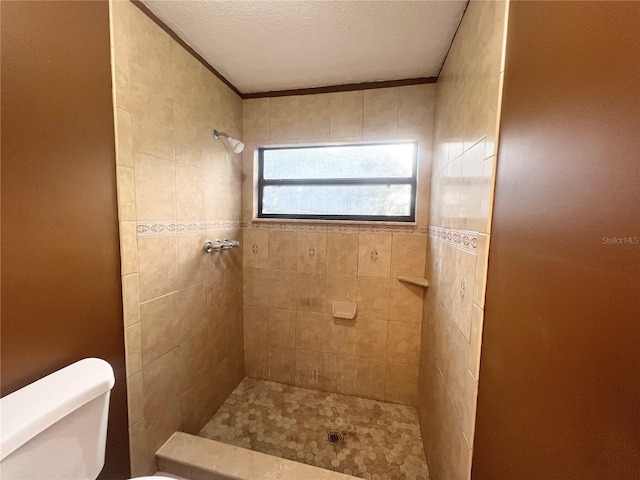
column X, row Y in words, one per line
column 221, row 461
column 334, row 222
column 421, row 282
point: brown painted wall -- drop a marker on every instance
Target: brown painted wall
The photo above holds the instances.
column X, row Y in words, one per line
column 61, row 289
column 559, row 378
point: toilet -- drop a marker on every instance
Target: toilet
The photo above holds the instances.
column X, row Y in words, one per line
column 56, row 427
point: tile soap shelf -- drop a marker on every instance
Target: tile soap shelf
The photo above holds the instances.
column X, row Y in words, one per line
column 421, row 282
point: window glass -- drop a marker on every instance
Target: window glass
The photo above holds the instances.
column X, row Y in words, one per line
column 374, row 182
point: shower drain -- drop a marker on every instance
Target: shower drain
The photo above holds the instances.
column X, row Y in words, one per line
column 334, row 436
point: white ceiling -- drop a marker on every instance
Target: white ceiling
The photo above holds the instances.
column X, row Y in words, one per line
column 270, row 45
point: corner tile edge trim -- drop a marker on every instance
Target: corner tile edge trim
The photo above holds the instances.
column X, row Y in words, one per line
column 231, row 462
column 463, row 239
column 147, row 229
column 337, row 228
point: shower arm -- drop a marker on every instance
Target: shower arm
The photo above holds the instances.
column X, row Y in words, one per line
column 217, row 134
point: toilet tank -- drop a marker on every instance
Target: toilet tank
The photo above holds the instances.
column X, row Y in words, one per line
column 56, row 427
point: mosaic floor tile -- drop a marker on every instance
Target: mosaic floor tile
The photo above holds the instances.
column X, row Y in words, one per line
column 380, row 440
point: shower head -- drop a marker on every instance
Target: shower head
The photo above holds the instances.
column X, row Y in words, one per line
column 236, row 145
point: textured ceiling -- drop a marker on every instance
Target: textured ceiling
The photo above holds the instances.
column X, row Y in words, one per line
column 277, row 45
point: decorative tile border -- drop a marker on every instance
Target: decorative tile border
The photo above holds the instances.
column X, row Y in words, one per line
column 148, row 229
column 337, row 228
column 462, row 239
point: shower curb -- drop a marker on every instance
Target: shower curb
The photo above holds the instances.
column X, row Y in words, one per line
column 197, row 458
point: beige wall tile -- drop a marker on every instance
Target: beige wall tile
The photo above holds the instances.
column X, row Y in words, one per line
column 371, row 339
column 408, row 255
column 405, row 302
column 451, row 188
column 311, row 293
column 255, row 252
column 256, row 286
column 340, row 336
column 126, row 194
column 451, row 453
column 160, row 327
column 162, row 398
column 401, row 383
column 133, row 349
column 472, row 184
column 189, row 193
column 284, row 118
column 374, row 255
column 157, row 263
column 315, row 116
column 342, row 288
column 131, row 299
column 143, row 460
column 135, row 398
column 373, row 297
column 128, row 248
column 282, row 328
column 339, row 374
column 256, row 119
column 256, row 324
column 416, row 106
column 480, row 281
column 216, row 196
column 151, row 123
column 309, row 369
column 342, row 253
column 346, row 114
column 249, row 199
column 311, row 331
column 192, row 310
column 195, row 357
column 369, row 381
column 464, row 287
column 191, row 259
column 477, row 319
column 219, row 336
column 486, row 201
column 155, row 188
column 215, row 157
column 312, row 252
column 380, row 111
column 282, row 364
column 197, row 405
column 256, row 360
column 492, row 122
column 282, row 290
column 283, row 248
column 403, row 343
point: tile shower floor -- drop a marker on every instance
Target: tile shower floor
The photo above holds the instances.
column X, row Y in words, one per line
column 381, row 440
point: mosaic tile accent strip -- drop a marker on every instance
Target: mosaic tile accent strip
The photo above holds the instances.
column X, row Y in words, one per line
column 463, row 239
column 463, row 287
column 338, row 228
column 381, row 440
column 146, row 229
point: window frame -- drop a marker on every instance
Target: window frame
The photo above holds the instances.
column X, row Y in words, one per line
column 411, row 181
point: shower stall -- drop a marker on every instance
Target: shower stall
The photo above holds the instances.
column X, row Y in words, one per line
column 240, row 347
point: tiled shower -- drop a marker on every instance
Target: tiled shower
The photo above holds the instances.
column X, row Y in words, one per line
column 198, row 324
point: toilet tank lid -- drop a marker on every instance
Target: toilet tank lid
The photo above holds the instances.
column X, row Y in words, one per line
column 32, row 409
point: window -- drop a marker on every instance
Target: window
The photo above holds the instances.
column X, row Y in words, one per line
column 372, row 182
